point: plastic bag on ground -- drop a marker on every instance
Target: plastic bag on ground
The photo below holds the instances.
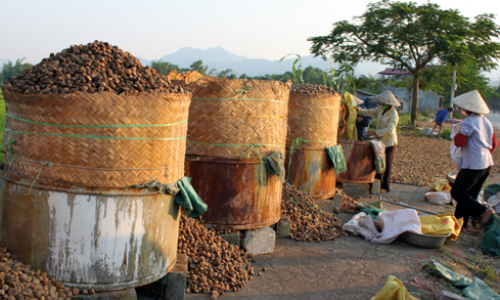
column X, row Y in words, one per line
column 494, row 202
column 475, row 290
column 456, row 152
column 394, row 223
column 438, row 197
column 455, row 278
column 479, row 290
column 442, row 225
column 393, row 290
column 441, row 185
column 490, row 243
column 361, row 224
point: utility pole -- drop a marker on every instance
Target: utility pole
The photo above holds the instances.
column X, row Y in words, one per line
column 453, row 89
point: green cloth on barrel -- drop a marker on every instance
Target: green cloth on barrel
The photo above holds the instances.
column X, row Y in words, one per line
column 189, row 199
column 184, row 194
column 275, row 164
column 336, row 154
column 491, row 237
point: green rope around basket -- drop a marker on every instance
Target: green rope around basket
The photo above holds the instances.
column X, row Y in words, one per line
column 295, row 143
column 9, row 142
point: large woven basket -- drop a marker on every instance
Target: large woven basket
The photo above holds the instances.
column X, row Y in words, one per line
column 238, row 118
column 313, row 120
column 99, row 139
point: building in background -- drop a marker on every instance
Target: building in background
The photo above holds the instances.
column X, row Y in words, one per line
column 426, row 99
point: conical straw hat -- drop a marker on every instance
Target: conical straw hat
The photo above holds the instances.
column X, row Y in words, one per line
column 358, row 101
column 472, row 101
column 388, row 98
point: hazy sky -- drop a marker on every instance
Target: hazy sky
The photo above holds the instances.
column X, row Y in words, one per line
column 153, row 28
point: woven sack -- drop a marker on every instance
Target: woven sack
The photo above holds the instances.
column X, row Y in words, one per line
column 237, row 118
column 100, row 139
column 313, row 120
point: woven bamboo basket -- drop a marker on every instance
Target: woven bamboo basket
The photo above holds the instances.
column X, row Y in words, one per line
column 238, row 119
column 100, row 139
column 313, row 120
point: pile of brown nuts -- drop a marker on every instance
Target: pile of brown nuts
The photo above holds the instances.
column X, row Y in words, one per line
column 348, row 204
column 307, row 221
column 19, row 282
column 214, row 265
column 309, row 88
column 95, row 67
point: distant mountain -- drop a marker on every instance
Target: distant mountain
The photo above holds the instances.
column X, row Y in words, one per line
column 221, row 59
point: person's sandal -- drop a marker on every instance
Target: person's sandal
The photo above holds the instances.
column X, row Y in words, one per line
column 486, row 217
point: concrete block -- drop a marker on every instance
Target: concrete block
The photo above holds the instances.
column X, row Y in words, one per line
column 129, row 294
column 177, row 279
column 284, row 228
column 450, row 296
column 356, row 189
column 326, row 205
column 232, row 238
column 338, row 200
column 376, row 187
column 259, row 241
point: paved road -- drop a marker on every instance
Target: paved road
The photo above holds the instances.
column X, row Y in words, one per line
column 494, row 118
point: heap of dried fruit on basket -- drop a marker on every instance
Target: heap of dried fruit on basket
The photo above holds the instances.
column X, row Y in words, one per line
column 95, row 67
column 19, row 281
column 309, row 88
column 307, row 221
column 215, row 266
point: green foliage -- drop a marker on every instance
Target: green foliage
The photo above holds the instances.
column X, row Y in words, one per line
column 198, row 66
column 296, row 69
column 369, row 84
column 458, row 115
column 10, row 69
column 164, row 67
column 227, row 73
column 409, row 36
column 446, row 134
column 2, row 121
column 343, row 79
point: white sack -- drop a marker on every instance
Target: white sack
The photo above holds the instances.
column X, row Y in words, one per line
column 456, row 152
column 361, row 224
column 438, row 197
column 394, row 223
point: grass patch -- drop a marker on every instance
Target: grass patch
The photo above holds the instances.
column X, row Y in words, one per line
column 458, row 115
column 446, row 134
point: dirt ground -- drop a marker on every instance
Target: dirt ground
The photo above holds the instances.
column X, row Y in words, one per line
column 352, row 268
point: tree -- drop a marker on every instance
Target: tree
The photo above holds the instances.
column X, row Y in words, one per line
column 10, row 69
column 198, row 66
column 227, row 73
column 164, row 67
column 410, row 36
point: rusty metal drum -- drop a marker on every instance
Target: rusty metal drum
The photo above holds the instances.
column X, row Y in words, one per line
column 359, row 158
column 240, row 193
column 311, row 170
column 105, row 238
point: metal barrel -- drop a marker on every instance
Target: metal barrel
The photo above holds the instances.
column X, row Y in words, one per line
column 103, row 238
column 234, row 193
column 359, row 158
column 311, row 170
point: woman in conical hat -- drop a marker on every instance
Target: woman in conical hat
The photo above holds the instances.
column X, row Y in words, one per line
column 385, row 129
column 478, row 141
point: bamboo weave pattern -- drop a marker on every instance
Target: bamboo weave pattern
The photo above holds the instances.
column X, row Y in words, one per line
column 104, row 155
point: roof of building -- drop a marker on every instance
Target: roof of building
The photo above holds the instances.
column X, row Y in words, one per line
column 390, row 71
